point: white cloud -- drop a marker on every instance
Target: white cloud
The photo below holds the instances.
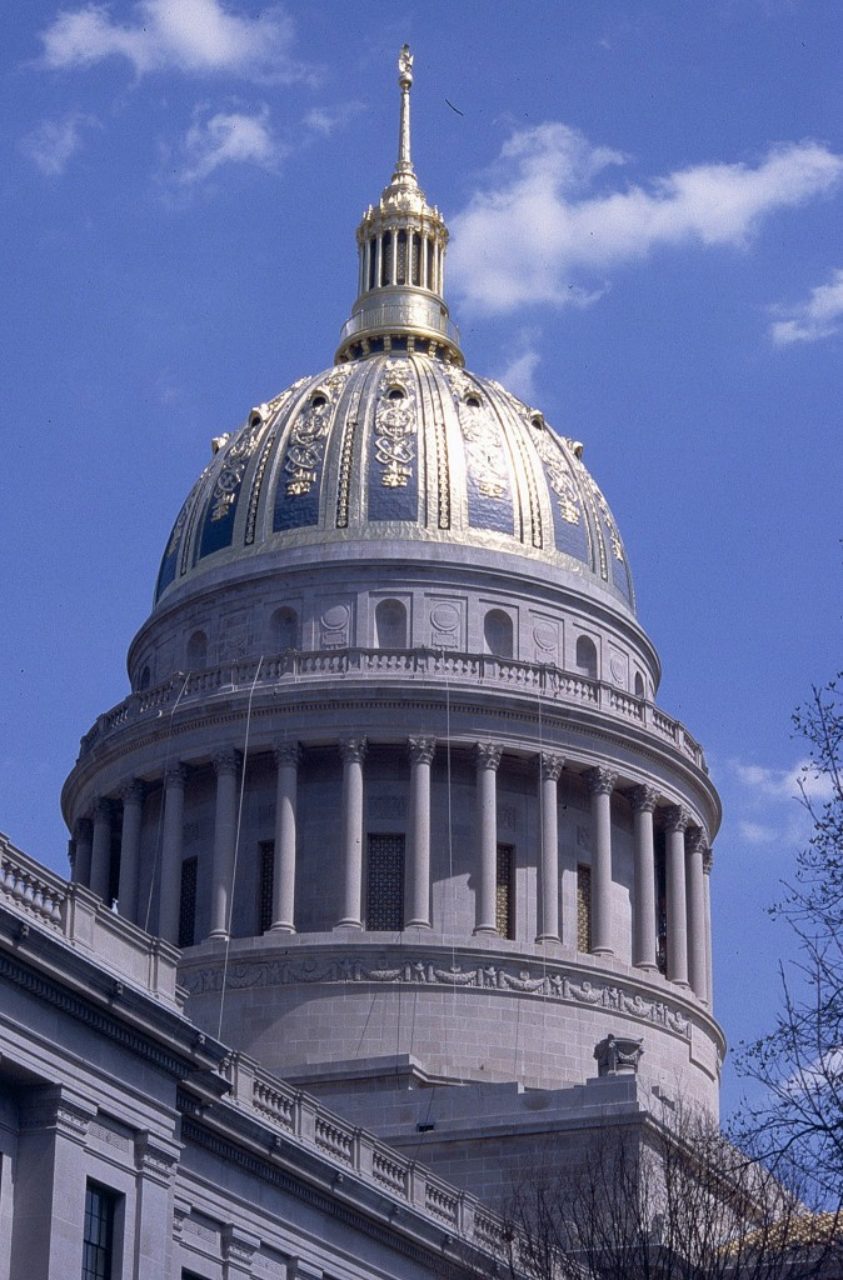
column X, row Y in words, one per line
column 819, row 316
column 783, row 784
column 198, row 36
column 548, row 217
column 518, row 376
column 229, row 137
column 325, row 120
column 52, row 145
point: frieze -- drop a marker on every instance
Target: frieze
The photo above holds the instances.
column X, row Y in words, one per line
column 539, row 981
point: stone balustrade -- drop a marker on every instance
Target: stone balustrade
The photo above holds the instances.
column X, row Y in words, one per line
column 478, row 671
column 303, row 1120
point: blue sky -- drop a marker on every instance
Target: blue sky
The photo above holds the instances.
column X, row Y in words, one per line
column 645, row 202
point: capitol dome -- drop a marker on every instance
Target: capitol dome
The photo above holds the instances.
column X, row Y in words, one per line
column 392, row 734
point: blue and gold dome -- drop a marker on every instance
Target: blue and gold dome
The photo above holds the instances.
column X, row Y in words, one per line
column 397, row 441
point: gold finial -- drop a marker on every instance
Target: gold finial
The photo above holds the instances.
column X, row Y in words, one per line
column 404, row 167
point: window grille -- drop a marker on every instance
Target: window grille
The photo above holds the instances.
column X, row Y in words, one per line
column 266, row 883
column 385, row 883
column 187, row 901
column 583, row 908
column 504, row 892
column 98, row 1240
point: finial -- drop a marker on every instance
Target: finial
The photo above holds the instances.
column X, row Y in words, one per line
column 404, row 167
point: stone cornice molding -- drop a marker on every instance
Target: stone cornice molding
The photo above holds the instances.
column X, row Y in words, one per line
column 353, row 750
column 644, row 799
column 287, row 754
column 487, row 755
column 600, row 781
column 550, row 766
column 153, row 1160
column 421, row 750
column 56, row 1108
column 676, row 817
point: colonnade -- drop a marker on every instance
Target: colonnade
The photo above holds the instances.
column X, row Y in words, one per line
column 403, row 256
column 687, row 863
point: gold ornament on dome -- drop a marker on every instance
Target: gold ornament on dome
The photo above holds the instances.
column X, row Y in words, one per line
column 236, row 456
column 395, row 428
column 559, row 478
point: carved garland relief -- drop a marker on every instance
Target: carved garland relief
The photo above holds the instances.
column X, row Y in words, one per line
column 395, row 427
column 306, row 445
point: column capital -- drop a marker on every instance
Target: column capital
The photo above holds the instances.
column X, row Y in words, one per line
column 644, row 799
column 133, row 791
column 708, row 860
column 175, row 776
column 488, row 755
column 353, row 750
column 600, row 782
column 103, row 807
column 550, row 766
column 422, row 750
column 697, row 842
column 676, row 818
column 287, row 753
column 83, row 828
column 226, row 762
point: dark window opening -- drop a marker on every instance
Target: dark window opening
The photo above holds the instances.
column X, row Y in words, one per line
column 396, row 393
column 145, row 679
column 505, row 891
column 385, row 883
column 583, row 908
column 401, row 273
column 373, row 262
column 98, row 1240
column 473, row 402
column 266, row 882
column 386, row 258
column 430, row 281
column 415, row 260
column 187, row 901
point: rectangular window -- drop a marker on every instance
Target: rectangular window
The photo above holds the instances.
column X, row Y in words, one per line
column 266, row 883
column 385, row 883
column 583, row 908
column 98, row 1241
column 187, row 902
column 504, row 891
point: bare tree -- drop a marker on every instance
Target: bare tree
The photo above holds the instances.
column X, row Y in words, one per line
column 800, row 1064
column 658, row 1202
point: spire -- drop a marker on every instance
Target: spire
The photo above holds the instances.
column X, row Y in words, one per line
column 404, row 165
column 401, row 246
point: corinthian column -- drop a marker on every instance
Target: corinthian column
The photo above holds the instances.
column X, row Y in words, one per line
column 225, row 833
column 696, row 912
column 488, row 758
column 169, row 908
column 127, row 893
column 353, row 752
column 676, row 820
column 601, row 784
column 421, row 758
column 644, row 906
column 708, row 862
column 287, row 757
column 550, row 767
column 101, row 849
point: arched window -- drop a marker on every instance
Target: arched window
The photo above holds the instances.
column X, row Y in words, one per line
column 284, row 629
column 497, row 633
column 145, row 679
column 391, row 625
column 401, row 264
column 373, row 260
column 197, row 651
column 587, row 657
column 386, row 258
column 639, row 685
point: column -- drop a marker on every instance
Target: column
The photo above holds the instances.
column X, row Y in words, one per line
column 488, row 758
column 127, row 892
column 101, row 849
column 225, row 832
column 644, row 940
column 676, row 820
column 156, row 1163
column 708, row 863
column 550, row 767
column 601, row 784
column 696, row 912
column 287, row 757
column 353, row 752
column 421, row 758
column 169, row 902
column 82, row 861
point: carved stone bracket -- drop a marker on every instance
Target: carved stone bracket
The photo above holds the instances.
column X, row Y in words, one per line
column 618, row 1055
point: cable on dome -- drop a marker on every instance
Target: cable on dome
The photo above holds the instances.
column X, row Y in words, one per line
column 159, row 835
column 237, row 844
